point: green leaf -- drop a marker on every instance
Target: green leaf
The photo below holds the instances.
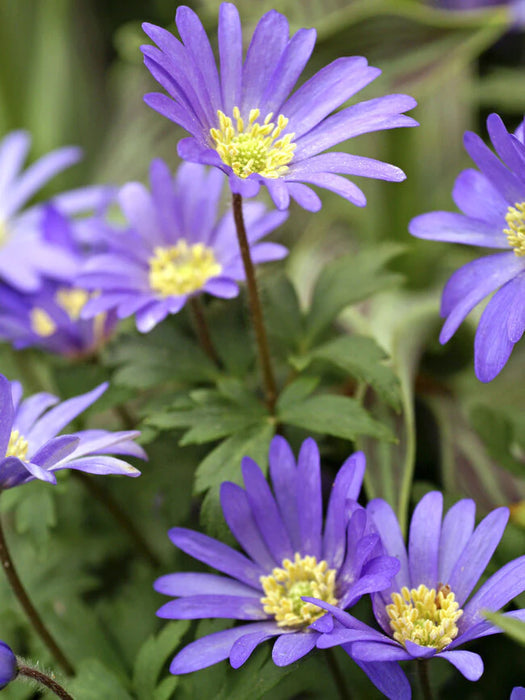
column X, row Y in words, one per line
column 94, row 681
column 152, row 657
column 347, row 280
column 36, row 514
column 497, row 433
column 339, row 416
column 362, row 358
column 297, row 390
column 224, row 462
column 515, row 629
column 282, row 314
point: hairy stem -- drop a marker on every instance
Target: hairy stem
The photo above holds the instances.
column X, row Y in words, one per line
column 203, row 333
column 123, row 519
column 254, row 301
column 43, row 679
column 27, row 605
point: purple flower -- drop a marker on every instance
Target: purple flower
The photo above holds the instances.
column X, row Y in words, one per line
column 175, row 248
column 245, row 121
column 8, row 665
column 32, row 449
column 426, row 611
column 24, row 254
column 518, row 693
column 493, row 204
column 516, row 7
column 50, row 318
column 287, row 556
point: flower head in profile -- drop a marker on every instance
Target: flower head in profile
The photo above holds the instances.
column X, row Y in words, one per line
column 244, row 119
column 492, row 200
column 428, row 611
column 175, row 246
column 288, row 554
column 25, row 255
column 50, row 318
column 32, row 448
column 8, row 665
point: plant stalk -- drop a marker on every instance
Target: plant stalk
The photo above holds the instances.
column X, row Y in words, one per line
column 203, row 333
column 422, row 669
column 44, row 680
column 254, row 301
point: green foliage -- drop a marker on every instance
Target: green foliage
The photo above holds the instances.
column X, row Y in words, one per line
column 500, row 435
column 94, row 681
column 515, row 629
column 151, row 659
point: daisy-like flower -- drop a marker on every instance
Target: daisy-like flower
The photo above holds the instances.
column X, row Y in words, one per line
column 24, row 254
column 50, row 318
column 175, row 248
column 246, row 121
column 493, row 204
column 287, row 556
column 32, row 449
column 426, row 611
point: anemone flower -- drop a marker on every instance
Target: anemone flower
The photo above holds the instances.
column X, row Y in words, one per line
column 246, row 121
column 50, row 318
column 426, row 611
column 33, row 450
column 492, row 200
column 24, row 254
column 174, row 248
column 287, row 556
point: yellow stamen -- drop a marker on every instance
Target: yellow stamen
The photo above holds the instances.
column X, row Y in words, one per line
column 424, row 617
column 255, row 147
column 72, row 300
column 515, row 232
column 17, row 446
column 284, row 588
column 41, row 322
column 182, row 268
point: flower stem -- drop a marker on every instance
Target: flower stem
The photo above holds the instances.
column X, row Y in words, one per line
column 255, row 306
column 203, row 333
column 27, row 605
column 422, row 669
column 338, row 677
column 45, row 680
column 123, row 519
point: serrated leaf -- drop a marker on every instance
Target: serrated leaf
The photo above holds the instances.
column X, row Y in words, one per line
column 339, row 416
column 152, row 657
column 224, row 462
column 362, row 358
column 94, row 681
column 512, row 627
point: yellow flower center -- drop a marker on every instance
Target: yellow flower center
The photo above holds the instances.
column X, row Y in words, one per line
column 515, row 232
column 3, row 233
column 284, row 588
column 17, row 446
column 424, row 617
column 72, row 300
column 182, row 268
column 41, row 322
column 253, row 147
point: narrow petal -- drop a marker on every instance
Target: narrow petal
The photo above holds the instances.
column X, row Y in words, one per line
column 30, row 410
column 503, row 142
column 230, row 51
column 477, row 553
column 304, row 196
column 188, row 584
column 374, row 652
column 389, row 530
column 423, row 541
column 388, row 678
column 239, row 516
column 245, row 645
column 458, row 525
column 467, row 662
column 98, row 464
column 477, row 197
column 152, row 314
column 174, row 112
column 309, row 499
column 6, row 414
column 198, row 607
column 13, row 151
column 292, row 647
column 278, row 191
column 484, row 628
column 457, row 228
column 55, row 450
column 218, row 555
column 283, row 472
column 335, row 183
column 348, row 164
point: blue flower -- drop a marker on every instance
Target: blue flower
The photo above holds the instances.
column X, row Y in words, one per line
column 246, row 121
column 428, row 610
column 175, row 247
column 8, row 665
column 32, row 449
column 24, row 254
column 493, row 204
column 288, row 554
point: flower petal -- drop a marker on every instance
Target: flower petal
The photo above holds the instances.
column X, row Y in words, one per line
column 230, row 52
column 388, row 678
column 477, row 197
column 467, row 662
column 292, row 647
column 423, row 543
column 458, row 525
column 283, row 472
column 245, row 645
column 190, row 583
column 6, row 414
column 457, row 228
column 198, row 607
column 309, row 499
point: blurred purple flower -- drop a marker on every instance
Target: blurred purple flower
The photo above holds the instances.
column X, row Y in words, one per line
column 24, row 254
column 50, row 318
column 493, row 204
column 516, row 7
column 175, row 248
column 426, row 611
column 246, row 123
column 8, row 665
column 287, row 556
column 518, row 693
column 32, row 449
